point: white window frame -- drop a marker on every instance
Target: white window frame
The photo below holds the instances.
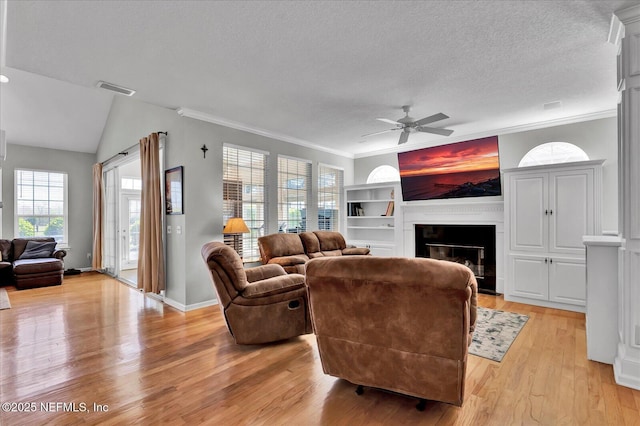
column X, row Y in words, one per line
column 338, row 194
column 17, row 216
column 283, row 178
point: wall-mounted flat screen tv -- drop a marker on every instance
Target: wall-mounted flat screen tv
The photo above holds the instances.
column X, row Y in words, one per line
column 463, row 169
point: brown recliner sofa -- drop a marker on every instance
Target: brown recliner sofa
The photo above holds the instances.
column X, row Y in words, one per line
column 31, row 272
column 292, row 251
column 394, row 323
column 261, row 304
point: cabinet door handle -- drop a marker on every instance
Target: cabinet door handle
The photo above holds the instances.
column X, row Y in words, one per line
column 550, row 211
column 546, row 260
column 550, row 260
column 546, row 212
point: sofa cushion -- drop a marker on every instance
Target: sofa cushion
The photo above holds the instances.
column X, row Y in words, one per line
column 5, row 250
column 355, row 250
column 330, row 240
column 20, row 244
column 38, row 250
column 37, row 266
column 310, row 242
column 278, row 245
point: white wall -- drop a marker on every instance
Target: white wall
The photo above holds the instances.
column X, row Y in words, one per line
column 598, row 138
column 188, row 281
column 78, row 167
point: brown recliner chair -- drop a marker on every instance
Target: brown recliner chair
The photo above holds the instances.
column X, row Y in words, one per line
column 394, row 323
column 260, row 305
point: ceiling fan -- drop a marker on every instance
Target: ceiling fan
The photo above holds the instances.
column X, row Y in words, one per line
column 409, row 125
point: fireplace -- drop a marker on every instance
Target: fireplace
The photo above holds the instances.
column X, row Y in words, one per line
column 470, row 245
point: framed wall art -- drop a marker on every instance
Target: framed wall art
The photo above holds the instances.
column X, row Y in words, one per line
column 173, row 190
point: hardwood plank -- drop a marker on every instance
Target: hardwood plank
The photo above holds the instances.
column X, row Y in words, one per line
column 96, row 340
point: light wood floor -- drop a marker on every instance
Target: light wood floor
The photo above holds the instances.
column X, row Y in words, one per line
column 96, row 340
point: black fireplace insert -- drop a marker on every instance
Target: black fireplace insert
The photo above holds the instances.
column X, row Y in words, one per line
column 470, row 245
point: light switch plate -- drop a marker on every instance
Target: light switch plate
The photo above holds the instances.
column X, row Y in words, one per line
column 168, row 229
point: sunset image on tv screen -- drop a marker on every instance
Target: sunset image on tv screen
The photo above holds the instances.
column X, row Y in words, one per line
column 463, row 169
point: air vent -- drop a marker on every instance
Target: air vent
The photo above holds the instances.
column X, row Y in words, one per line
column 115, row 88
column 553, row 105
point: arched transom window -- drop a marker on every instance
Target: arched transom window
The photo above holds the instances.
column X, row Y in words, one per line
column 384, row 173
column 552, row 153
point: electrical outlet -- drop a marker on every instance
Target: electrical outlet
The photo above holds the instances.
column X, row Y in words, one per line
column 168, row 229
column 88, row 255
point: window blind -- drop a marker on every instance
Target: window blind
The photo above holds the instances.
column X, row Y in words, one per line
column 244, row 195
column 330, row 189
column 294, row 179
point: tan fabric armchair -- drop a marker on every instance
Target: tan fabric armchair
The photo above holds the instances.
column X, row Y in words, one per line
column 261, row 304
column 394, row 323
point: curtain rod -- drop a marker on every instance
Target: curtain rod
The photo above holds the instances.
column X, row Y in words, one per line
column 126, row 151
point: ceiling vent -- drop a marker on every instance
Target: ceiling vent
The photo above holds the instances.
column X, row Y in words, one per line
column 115, row 88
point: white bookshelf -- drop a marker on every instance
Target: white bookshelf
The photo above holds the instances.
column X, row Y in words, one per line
column 373, row 218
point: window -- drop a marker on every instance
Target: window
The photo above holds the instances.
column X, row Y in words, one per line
column 294, row 177
column 41, row 204
column 552, row 153
column 330, row 187
column 244, row 196
column 384, row 173
column 131, row 183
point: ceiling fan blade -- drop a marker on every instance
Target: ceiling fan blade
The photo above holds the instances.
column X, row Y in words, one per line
column 386, row 120
column 404, row 137
column 377, row 133
column 443, row 132
column 431, row 119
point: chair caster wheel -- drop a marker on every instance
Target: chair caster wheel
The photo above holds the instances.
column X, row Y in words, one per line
column 359, row 390
column 422, row 404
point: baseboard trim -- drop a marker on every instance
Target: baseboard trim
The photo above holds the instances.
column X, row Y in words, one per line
column 186, row 308
column 622, row 366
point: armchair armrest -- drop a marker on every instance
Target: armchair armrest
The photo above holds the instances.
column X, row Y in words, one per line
column 295, row 259
column 59, row 254
column 274, row 285
column 264, row 272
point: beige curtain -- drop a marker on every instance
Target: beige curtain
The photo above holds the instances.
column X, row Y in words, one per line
column 150, row 252
column 98, row 199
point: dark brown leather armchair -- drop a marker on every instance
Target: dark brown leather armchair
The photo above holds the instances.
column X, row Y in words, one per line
column 261, row 304
column 399, row 324
column 30, row 273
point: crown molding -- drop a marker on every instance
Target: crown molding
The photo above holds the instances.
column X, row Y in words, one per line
column 506, row 130
column 629, row 15
column 202, row 116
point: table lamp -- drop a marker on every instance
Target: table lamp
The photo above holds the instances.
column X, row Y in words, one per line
column 235, row 226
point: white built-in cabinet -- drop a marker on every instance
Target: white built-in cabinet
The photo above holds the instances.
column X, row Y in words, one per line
column 548, row 209
column 373, row 218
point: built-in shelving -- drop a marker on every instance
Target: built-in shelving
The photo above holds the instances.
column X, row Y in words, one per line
column 373, row 218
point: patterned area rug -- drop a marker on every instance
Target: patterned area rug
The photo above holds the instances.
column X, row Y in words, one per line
column 4, row 299
column 495, row 332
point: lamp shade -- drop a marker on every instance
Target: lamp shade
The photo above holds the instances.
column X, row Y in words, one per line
column 235, row 225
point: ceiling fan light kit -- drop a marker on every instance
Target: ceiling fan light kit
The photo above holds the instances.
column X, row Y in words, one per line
column 409, row 125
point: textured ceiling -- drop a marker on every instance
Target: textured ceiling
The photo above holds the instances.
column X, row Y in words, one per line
column 322, row 71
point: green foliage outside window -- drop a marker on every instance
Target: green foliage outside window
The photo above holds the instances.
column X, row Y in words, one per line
column 55, row 227
column 26, row 228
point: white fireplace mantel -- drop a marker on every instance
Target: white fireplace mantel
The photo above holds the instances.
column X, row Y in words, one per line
column 486, row 211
